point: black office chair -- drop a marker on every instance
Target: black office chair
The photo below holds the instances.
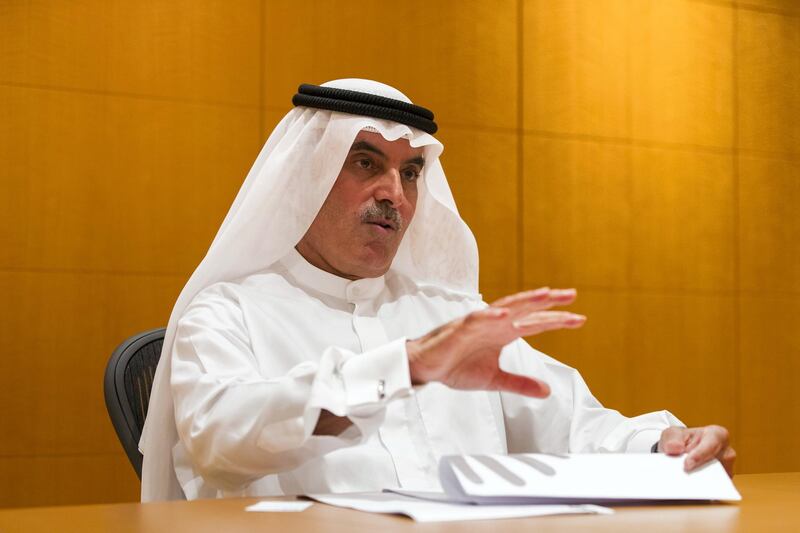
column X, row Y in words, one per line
column 127, row 384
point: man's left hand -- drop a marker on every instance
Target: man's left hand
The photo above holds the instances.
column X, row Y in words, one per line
column 700, row 444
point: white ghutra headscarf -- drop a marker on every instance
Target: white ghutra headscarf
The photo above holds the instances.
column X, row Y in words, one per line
column 277, row 203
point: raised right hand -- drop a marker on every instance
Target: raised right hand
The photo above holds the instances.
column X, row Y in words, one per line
column 464, row 353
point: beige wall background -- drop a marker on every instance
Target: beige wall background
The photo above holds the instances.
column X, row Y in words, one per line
column 646, row 152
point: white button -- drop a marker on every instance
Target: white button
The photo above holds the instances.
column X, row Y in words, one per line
column 353, row 292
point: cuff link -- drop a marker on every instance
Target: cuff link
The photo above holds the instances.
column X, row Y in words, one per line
column 381, row 389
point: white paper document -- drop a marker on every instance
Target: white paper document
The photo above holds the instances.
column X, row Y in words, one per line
column 269, row 506
column 423, row 510
column 581, row 478
column 479, row 487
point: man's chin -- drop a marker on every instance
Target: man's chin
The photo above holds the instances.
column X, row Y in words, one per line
column 374, row 270
column 377, row 260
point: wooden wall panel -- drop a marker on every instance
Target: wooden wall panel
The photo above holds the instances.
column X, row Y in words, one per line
column 647, row 351
column 687, row 220
column 456, row 57
column 115, row 183
column 681, row 72
column 575, row 75
column 187, row 50
column 768, row 371
column 768, row 58
column 781, row 6
column 681, row 356
column 57, row 339
column 125, row 131
column 576, row 213
column 481, row 168
column 682, row 231
column 599, row 350
column 64, row 480
column 769, row 252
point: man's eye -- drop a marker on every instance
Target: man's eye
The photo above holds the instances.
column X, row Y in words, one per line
column 364, row 163
column 410, row 175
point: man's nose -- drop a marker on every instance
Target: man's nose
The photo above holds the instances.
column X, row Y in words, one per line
column 390, row 188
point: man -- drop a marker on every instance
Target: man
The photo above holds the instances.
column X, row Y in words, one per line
column 333, row 339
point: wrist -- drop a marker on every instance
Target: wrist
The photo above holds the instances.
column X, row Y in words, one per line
column 416, row 368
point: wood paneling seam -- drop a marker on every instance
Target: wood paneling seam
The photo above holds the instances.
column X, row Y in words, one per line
column 737, row 343
column 520, row 146
column 132, row 96
column 92, row 272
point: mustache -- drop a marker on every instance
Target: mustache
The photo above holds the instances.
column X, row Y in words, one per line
column 382, row 211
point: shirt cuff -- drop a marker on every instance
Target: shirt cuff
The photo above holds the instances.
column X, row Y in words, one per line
column 376, row 377
column 642, row 442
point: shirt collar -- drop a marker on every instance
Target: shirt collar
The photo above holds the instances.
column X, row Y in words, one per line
column 325, row 282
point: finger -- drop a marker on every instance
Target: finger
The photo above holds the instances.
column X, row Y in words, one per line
column 527, row 386
column 537, row 300
column 673, row 440
column 563, row 296
column 695, row 437
column 541, row 321
column 533, row 295
column 727, row 459
column 714, row 440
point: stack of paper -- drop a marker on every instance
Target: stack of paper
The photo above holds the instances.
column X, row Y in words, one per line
column 506, row 486
column 581, row 478
column 429, row 510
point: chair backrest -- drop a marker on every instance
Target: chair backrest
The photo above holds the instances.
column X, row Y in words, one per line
column 127, row 384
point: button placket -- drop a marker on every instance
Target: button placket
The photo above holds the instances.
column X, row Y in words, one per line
column 395, row 434
column 371, row 335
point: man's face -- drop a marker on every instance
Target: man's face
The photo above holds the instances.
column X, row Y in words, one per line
column 359, row 227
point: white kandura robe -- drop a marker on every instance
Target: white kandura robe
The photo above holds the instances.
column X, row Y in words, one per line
column 254, row 362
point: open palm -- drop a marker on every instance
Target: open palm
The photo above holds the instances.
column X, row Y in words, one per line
column 465, row 353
